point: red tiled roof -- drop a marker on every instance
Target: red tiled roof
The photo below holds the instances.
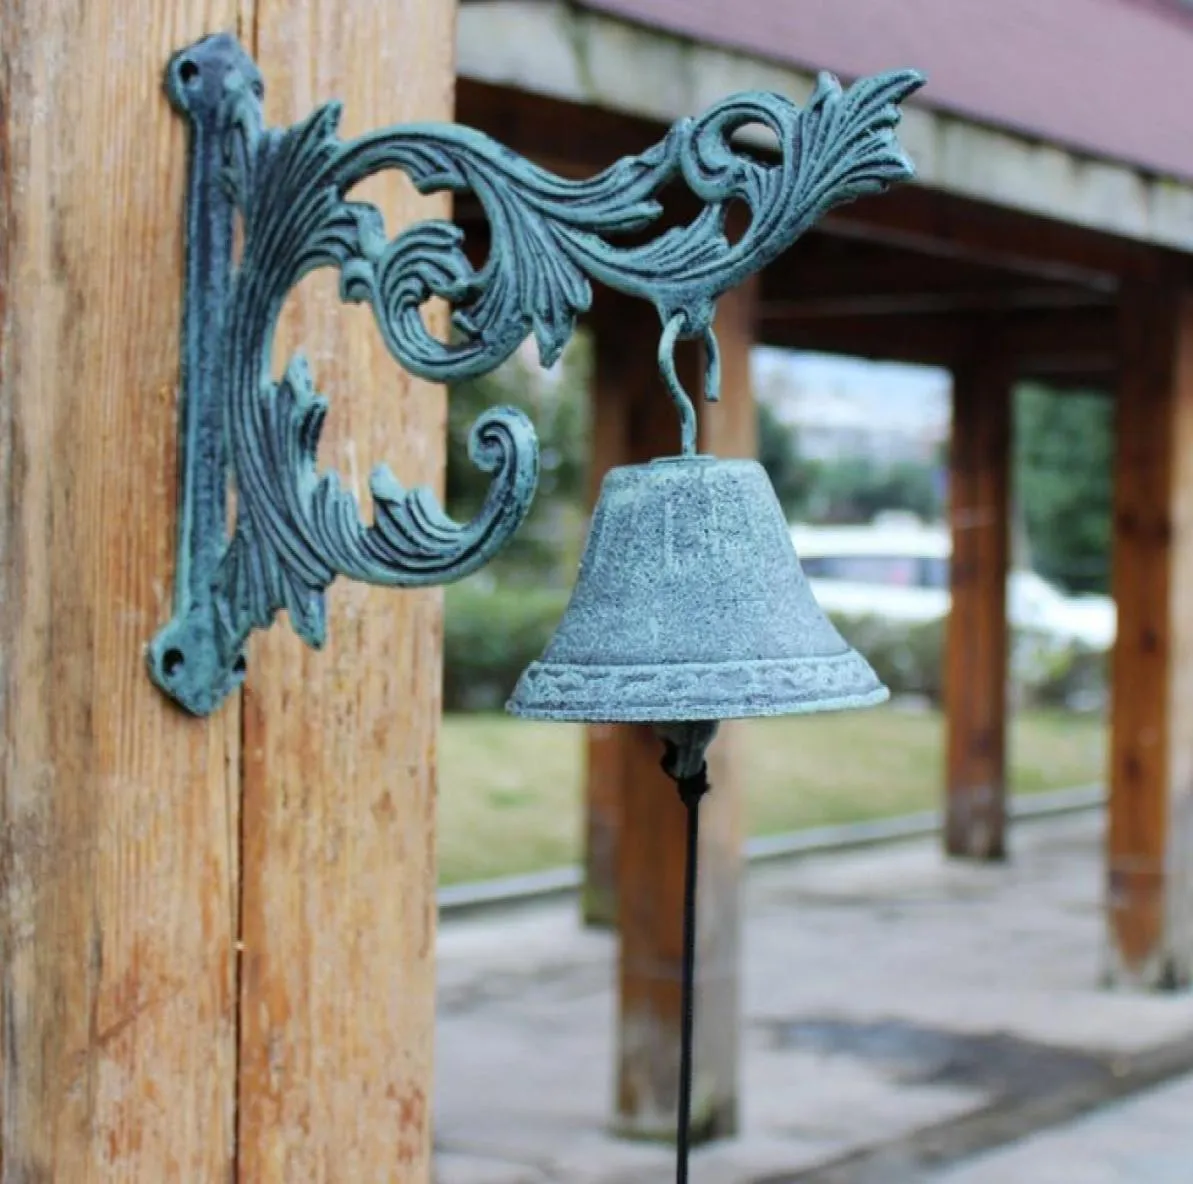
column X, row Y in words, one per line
column 1111, row 78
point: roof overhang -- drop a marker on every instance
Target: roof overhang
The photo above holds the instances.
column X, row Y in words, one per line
column 552, row 48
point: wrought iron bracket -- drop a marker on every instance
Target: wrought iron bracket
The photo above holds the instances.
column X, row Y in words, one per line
column 296, row 529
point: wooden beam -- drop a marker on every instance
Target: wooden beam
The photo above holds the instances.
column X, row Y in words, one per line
column 811, row 300
column 912, row 301
column 976, row 644
column 339, row 912
column 832, row 270
column 1149, row 890
column 935, row 223
column 568, row 138
column 651, row 837
column 728, row 428
column 1041, row 342
column 625, row 340
column 918, row 309
column 118, row 814
column 577, row 140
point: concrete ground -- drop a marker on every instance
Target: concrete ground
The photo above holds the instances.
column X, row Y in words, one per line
column 1147, row 1139
column 901, row 1015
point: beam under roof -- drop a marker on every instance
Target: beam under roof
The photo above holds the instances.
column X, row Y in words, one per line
column 575, row 140
column 551, row 49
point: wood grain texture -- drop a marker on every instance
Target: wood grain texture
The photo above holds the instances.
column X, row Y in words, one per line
column 602, row 820
column 118, row 814
column 1047, row 343
column 1150, row 834
column 339, row 906
column 727, row 429
column 632, row 421
column 976, row 637
column 652, row 834
column 650, row 838
column 617, row 347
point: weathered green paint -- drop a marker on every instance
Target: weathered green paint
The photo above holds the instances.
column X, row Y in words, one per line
column 691, row 608
column 296, row 530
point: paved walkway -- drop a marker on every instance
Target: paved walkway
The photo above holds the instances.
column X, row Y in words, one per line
column 885, row 993
column 1146, row 1140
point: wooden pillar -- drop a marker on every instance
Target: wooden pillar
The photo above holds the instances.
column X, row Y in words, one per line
column 154, row 875
column 1150, row 835
column 118, row 814
column 339, row 913
column 976, row 642
column 652, row 831
column 632, row 421
column 602, row 810
column 623, row 349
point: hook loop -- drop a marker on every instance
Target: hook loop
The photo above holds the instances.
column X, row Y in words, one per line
column 672, row 332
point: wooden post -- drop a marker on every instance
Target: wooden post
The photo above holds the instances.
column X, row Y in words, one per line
column 141, row 849
column 118, row 814
column 632, row 421
column 623, row 349
column 602, row 809
column 339, row 913
column 976, row 642
column 651, row 837
column 1150, row 834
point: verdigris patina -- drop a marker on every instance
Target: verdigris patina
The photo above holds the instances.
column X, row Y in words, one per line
column 297, row 529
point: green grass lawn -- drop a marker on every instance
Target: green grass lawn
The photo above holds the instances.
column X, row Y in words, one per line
column 510, row 790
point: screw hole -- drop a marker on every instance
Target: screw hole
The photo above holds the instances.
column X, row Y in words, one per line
column 240, row 665
column 187, row 71
column 172, row 662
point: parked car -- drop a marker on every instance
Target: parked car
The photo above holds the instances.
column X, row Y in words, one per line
column 899, row 569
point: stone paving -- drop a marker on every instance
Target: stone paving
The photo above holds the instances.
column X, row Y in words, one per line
column 885, row 992
column 1147, row 1139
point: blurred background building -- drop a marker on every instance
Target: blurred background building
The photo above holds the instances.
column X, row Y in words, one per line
column 968, row 394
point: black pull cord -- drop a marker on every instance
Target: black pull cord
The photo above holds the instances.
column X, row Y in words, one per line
column 691, row 790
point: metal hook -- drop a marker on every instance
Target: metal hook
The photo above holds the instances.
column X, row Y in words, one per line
column 712, row 378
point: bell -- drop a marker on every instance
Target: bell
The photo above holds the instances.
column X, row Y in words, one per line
column 691, row 606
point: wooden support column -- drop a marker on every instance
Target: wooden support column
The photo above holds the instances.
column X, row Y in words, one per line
column 632, row 421
column 976, row 645
column 1150, row 836
column 339, row 912
column 154, row 875
column 652, row 832
column 118, row 813
column 625, row 337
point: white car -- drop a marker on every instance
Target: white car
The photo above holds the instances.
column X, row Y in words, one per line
column 900, row 570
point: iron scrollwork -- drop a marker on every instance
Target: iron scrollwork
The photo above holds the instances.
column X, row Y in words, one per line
column 296, row 529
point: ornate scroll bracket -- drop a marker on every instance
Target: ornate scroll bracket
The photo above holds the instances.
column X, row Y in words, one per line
column 296, row 529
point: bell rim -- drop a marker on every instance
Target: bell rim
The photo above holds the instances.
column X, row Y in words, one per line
column 696, row 691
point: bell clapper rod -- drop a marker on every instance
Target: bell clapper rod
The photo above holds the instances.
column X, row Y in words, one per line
column 684, row 762
column 691, row 791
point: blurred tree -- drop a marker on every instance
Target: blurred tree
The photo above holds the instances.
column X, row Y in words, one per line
column 778, row 453
column 855, row 488
column 1063, row 461
column 911, row 485
column 557, row 403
